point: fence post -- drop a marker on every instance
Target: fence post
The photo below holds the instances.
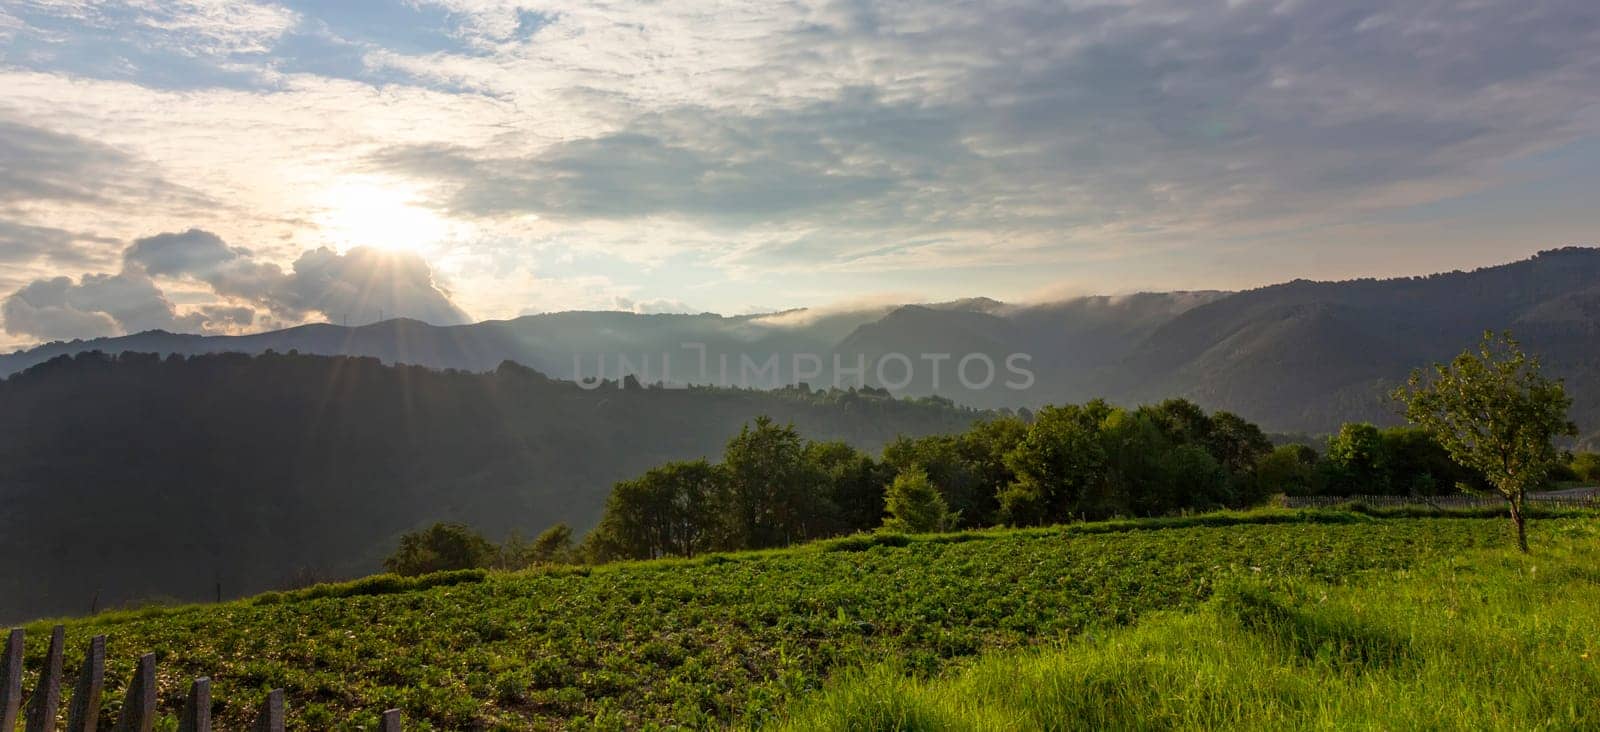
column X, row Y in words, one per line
column 11, row 680
column 197, row 711
column 272, row 713
column 46, row 699
column 139, row 707
column 84, row 714
column 391, row 721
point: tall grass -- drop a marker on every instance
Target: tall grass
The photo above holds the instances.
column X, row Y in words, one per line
column 1484, row 641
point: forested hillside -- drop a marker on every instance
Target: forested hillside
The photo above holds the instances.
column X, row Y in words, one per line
column 1305, row 356
column 137, row 476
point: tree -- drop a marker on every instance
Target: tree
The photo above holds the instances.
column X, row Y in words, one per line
column 1198, row 480
column 1136, row 478
column 1290, row 469
column 1495, row 413
column 671, row 510
column 985, row 446
column 853, row 485
column 438, row 548
column 1419, row 466
column 1586, row 465
column 1356, row 462
column 552, row 546
column 915, row 506
column 1237, row 444
column 1059, row 462
column 774, row 493
column 944, row 459
column 511, row 554
column 1182, row 421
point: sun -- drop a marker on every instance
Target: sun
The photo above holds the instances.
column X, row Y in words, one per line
column 379, row 214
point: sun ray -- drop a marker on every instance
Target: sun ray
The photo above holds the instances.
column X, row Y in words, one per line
column 379, row 213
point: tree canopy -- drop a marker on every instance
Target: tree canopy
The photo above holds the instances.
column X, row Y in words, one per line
column 1493, row 411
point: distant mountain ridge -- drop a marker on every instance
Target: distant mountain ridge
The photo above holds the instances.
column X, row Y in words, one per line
column 1300, row 356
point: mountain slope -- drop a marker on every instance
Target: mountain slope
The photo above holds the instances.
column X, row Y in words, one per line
column 1305, row 356
column 138, row 476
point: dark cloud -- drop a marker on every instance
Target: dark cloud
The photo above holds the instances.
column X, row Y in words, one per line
column 37, row 164
column 227, row 317
column 687, row 163
column 193, row 252
column 41, row 165
column 21, row 242
column 1044, row 117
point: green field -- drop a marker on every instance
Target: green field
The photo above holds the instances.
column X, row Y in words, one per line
column 745, row 639
column 1489, row 640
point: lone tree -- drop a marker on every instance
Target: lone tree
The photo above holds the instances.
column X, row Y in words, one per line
column 1494, row 412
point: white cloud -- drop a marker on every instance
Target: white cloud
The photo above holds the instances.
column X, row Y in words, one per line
column 359, row 286
column 767, row 142
column 654, row 306
column 95, row 305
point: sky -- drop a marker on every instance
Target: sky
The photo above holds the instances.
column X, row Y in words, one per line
column 224, row 167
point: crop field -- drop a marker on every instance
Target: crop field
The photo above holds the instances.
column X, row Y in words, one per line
column 724, row 639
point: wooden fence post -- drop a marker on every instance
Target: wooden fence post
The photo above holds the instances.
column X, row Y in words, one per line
column 46, row 699
column 139, row 707
column 11, row 680
column 84, row 714
column 391, row 721
column 272, row 713
column 197, row 711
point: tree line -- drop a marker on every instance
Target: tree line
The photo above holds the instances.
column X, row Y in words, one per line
column 773, row 487
column 1486, row 422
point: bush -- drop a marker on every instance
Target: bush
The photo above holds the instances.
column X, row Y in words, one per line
column 1586, row 467
column 439, row 548
column 915, row 506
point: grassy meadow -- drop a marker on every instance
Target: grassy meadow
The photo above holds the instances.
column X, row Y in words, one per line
column 1268, row 618
column 1483, row 640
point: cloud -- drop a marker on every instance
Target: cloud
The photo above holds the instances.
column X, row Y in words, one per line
column 362, row 285
column 891, row 137
column 21, row 242
column 42, row 309
column 650, row 307
column 226, row 318
column 43, row 166
column 634, row 175
column 37, row 164
column 358, row 286
column 95, row 305
column 194, row 252
column 1001, row 144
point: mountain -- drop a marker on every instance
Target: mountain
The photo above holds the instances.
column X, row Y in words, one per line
column 1306, row 356
column 138, row 476
column 1300, row 356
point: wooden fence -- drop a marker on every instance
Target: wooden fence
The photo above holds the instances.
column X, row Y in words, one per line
column 1450, row 501
column 139, row 703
